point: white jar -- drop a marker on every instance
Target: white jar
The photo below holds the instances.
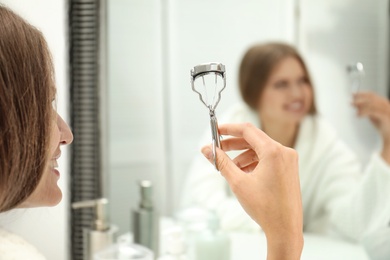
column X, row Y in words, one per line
column 125, row 250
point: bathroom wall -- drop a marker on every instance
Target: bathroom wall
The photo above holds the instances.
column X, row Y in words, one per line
column 47, row 228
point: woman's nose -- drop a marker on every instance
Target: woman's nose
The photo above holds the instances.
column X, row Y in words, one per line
column 66, row 133
column 296, row 90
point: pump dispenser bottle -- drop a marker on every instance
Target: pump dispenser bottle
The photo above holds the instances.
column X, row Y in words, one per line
column 145, row 219
column 101, row 234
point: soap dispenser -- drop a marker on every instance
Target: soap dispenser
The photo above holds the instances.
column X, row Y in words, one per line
column 145, row 221
column 101, row 234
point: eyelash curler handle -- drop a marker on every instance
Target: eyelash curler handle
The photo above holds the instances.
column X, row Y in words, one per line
column 216, row 142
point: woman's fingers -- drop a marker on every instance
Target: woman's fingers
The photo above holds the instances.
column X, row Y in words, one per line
column 225, row 165
column 244, row 162
column 255, row 138
column 370, row 105
column 245, row 159
column 234, row 143
column 231, row 129
column 362, row 95
column 250, row 168
column 367, row 109
column 362, row 100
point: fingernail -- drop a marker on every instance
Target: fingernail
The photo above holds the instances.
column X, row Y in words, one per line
column 207, row 152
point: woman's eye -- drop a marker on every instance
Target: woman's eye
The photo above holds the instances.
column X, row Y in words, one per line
column 302, row 81
column 281, row 84
column 54, row 103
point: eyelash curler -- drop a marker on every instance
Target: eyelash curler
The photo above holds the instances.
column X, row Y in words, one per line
column 206, row 79
column 356, row 74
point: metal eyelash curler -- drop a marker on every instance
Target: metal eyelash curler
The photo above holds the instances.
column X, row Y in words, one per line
column 206, row 79
column 356, row 74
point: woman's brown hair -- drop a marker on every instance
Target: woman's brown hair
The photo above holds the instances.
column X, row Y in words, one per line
column 26, row 91
column 257, row 66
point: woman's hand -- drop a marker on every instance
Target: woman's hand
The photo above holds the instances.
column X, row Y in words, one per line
column 265, row 180
column 377, row 109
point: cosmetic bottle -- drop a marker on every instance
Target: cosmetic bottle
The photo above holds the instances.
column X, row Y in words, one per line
column 124, row 249
column 145, row 219
column 194, row 221
column 175, row 245
column 212, row 243
column 100, row 235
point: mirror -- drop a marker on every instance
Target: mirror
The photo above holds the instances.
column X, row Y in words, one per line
column 155, row 120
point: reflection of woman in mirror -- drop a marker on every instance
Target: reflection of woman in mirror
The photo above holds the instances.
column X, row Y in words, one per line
column 337, row 197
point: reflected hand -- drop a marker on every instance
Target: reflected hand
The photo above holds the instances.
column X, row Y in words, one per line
column 377, row 109
column 265, row 180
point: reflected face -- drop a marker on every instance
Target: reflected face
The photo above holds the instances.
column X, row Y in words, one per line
column 287, row 96
column 47, row 192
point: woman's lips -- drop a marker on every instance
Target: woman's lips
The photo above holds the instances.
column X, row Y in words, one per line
column 297, row 106
column 54, row 166
column 56, row 172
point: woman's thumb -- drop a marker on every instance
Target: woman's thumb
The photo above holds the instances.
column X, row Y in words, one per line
column 224, row 164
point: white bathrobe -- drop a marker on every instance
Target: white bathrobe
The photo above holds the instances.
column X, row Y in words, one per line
column 13, row 247
column 338, row 198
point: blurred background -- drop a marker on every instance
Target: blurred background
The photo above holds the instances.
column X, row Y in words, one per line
column 153, row 121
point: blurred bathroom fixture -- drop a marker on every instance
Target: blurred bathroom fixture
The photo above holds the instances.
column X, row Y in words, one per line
column 208, row 80
column 101, row 234
column 356, row 73
column 145, row 218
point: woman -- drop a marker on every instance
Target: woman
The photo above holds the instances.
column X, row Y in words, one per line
column 278, row 94
column 32, row 132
